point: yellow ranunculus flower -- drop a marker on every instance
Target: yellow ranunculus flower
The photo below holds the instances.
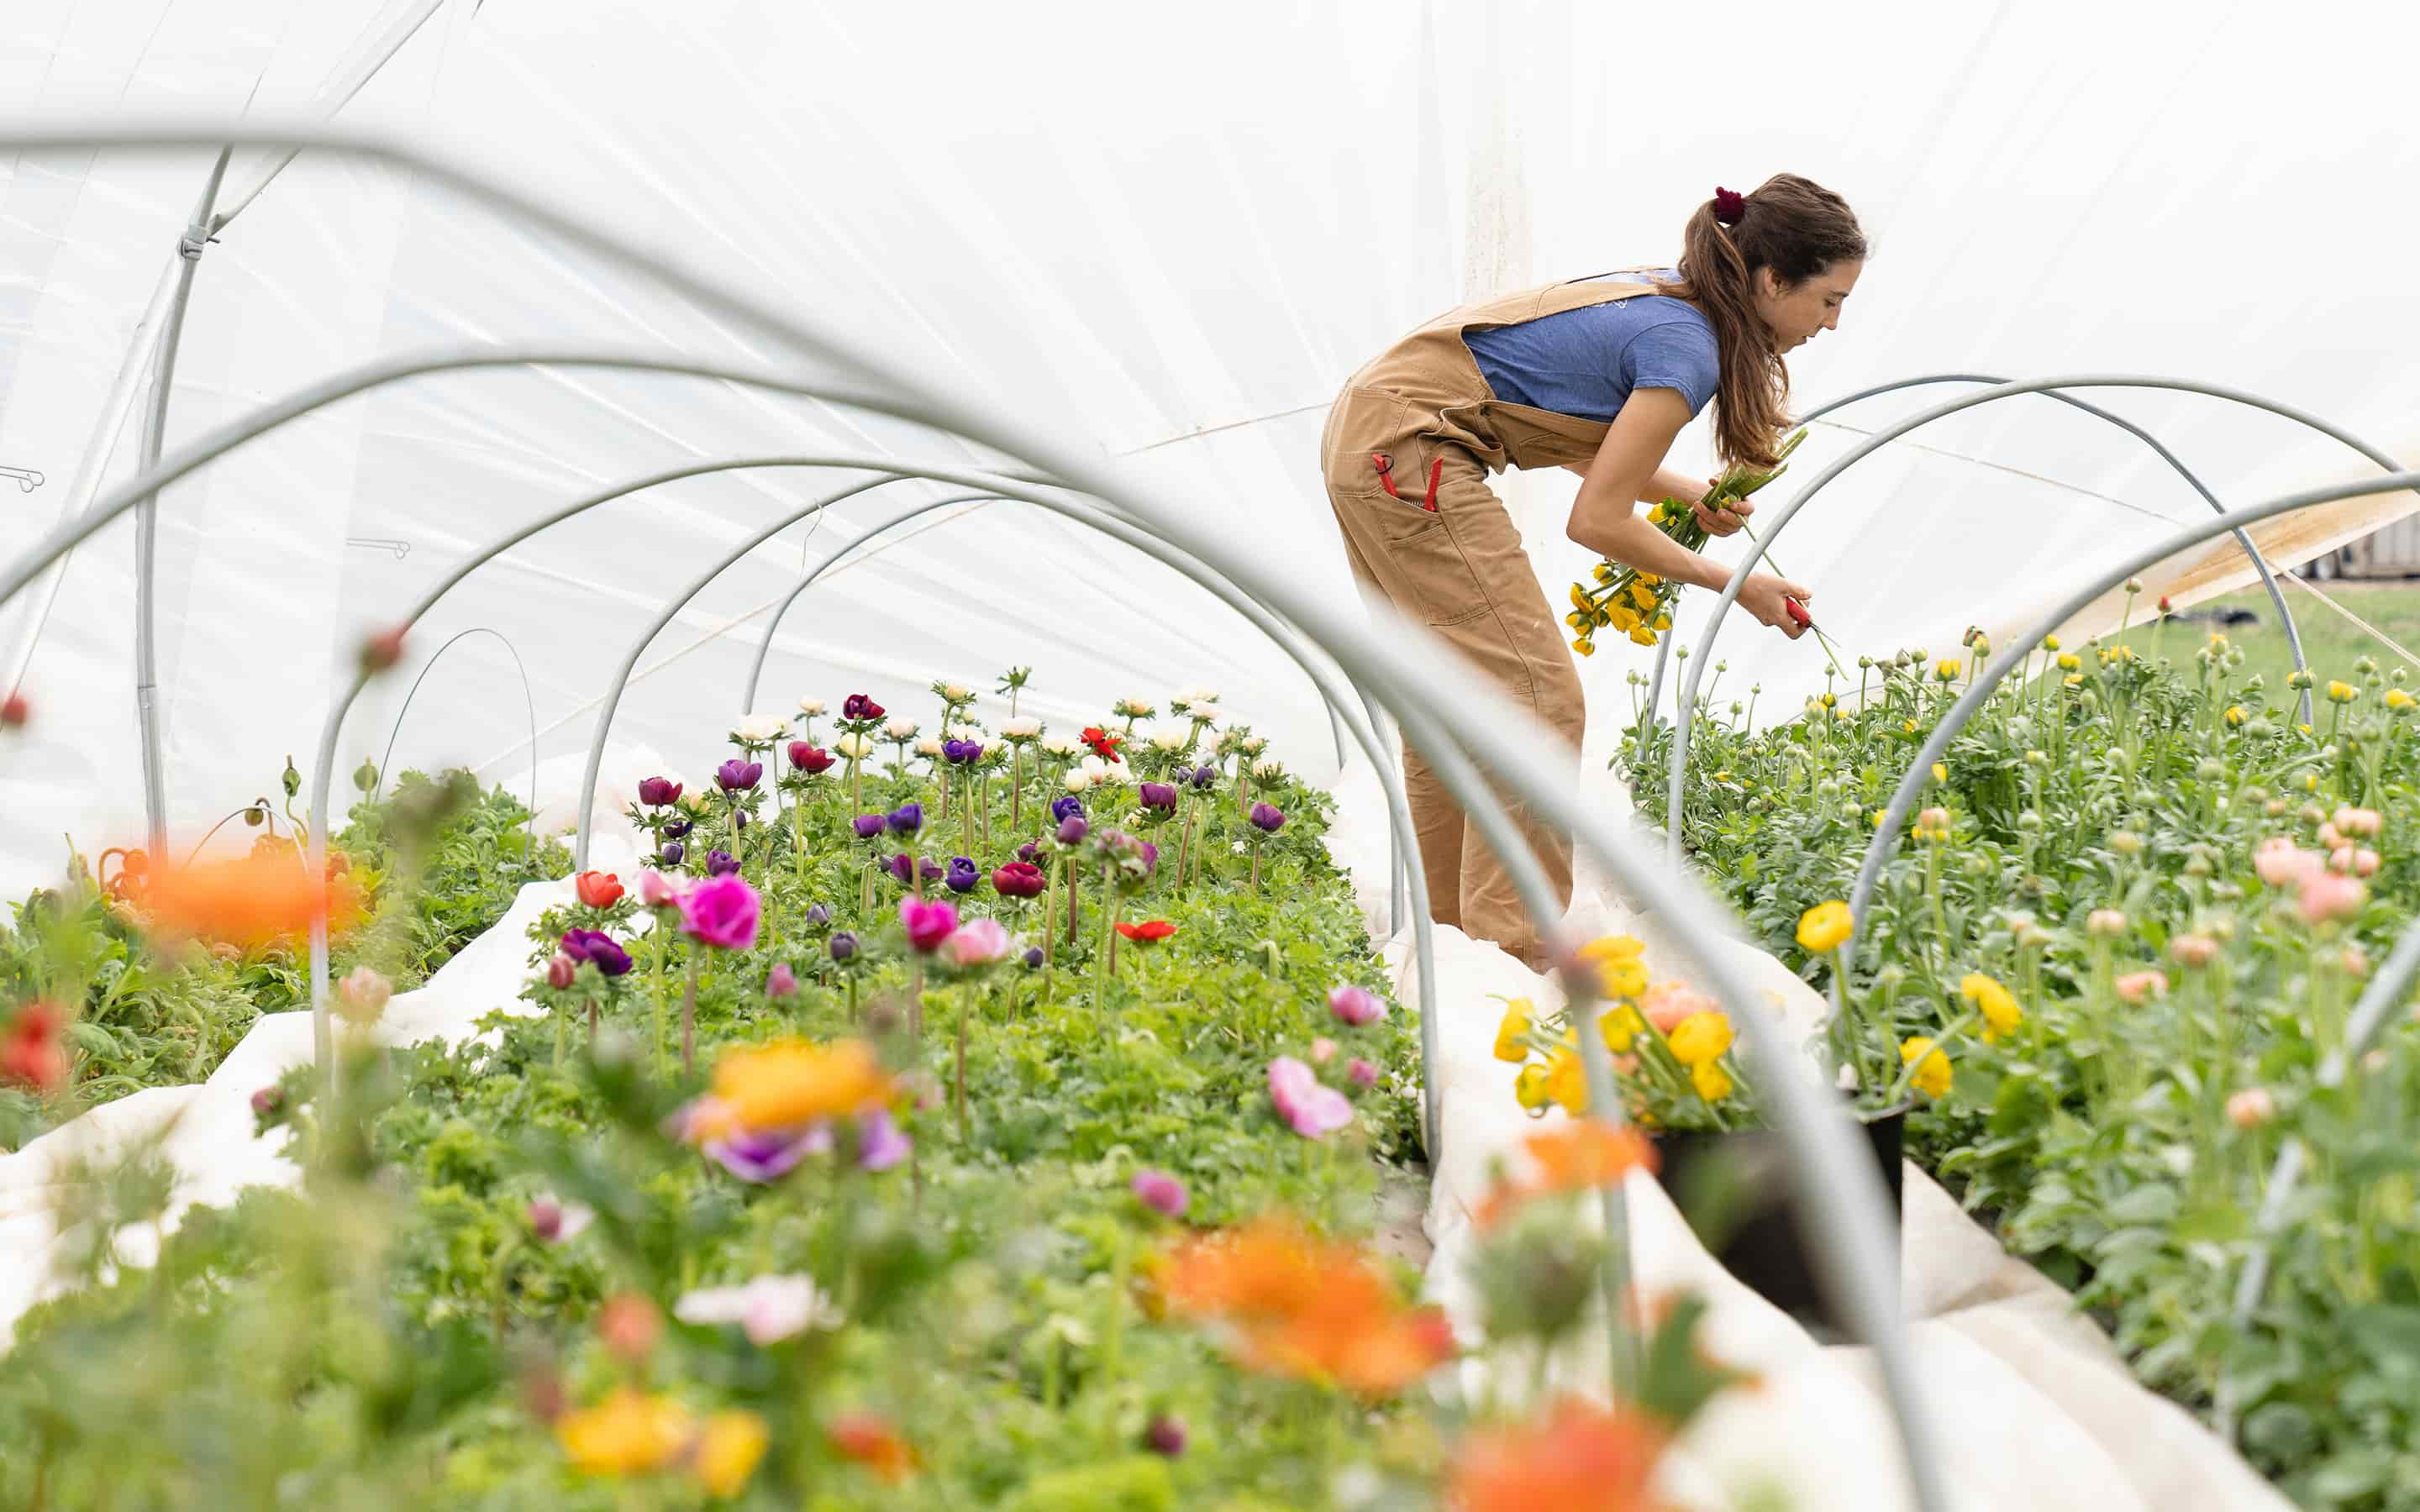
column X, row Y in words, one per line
column 1947, row 669
column 1510, row 1033
column 1529, row 1087
column 1612, row 948
column 628, row 1433
column 2050, row 642
column 2001, row 1014
column 1908, row 725
column 2342, row 692
column 1932, row 1066
column 1565, row 1083
column 1622, row 979
column 1643, row 636
column 1576, row 620
column 1941, row 771
column 2072, row 681
column 1700, row 1038
column 1602, row 572
column 1580, row 598
column 2235, row 714
column 728, row 1451
column 1709, row 1080
column 1643, row 595
column 1650, row 579
column 1663, row 621
column 1585, row 646
column 1825, row 926
column 1620, row 1028
column 1826, row 699
column 2069, row 661
column 1621, row 619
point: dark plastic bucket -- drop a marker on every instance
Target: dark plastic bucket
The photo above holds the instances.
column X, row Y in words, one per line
column 1736, row 1196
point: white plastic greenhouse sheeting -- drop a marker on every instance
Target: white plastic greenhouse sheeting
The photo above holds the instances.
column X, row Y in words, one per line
column 1176, row 234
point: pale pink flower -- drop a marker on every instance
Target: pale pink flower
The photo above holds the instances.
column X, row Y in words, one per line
column 1667, row 1003
column 2356, row 963
column 2327, row 896
column 2141, row 986
column 656, row 891
column 2364, row 862
column 1361, row 1074
column 2362, row 822
column 2193, row 949
column 1357, row 1006
column 2105, row 922
column 1323, row 1050
column 2281, row 863
column 2330, row 838
column 1310, row 1109
column 1159, row 1191
column 2251, row 1107
column 978, row 942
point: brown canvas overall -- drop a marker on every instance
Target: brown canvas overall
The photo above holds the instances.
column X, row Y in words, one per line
column 1406, row 454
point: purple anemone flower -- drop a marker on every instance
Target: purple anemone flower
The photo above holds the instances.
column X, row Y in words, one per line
column 959, row 752
column 721, row 863
column 818, row 915
column 879, row 1144
column 673, row 851
column 1157, row 795
column 907, row 819
column 658, row 791
column 679, row 828
column 1073, row 830
column 903, row 868
column 596, row 947
column 843, row 946
column 1268, row 817
column 767, row 1155
column 1204, row 776
column 1027, row 852
column 1032, row 957
column 962, row 876
column 736, row 776
column 1070, row 805
column 867, row 826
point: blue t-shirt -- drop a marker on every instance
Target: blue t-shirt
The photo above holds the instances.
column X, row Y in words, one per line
column 1586, row 362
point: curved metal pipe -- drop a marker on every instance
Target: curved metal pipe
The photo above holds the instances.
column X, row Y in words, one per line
column 1681, row 718
column 1286, row 639
column 528, row 697
column 2259, row 563
column 1851, row 1238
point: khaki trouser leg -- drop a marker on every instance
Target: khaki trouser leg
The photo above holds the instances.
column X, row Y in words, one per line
column 1462, row 572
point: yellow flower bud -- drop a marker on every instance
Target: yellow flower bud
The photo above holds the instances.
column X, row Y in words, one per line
column 2069, row 661
column 1932, row 1071
column 1511, row 1032
column 1708, row 1079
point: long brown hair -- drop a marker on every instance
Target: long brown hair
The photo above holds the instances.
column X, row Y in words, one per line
column 1794, row 226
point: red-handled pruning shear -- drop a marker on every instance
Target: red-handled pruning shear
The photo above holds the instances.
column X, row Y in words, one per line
column 1798, row 611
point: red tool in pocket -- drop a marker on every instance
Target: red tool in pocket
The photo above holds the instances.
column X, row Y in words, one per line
column 1386, row 466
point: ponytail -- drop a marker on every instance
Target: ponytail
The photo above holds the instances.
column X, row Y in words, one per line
column 1791, row 225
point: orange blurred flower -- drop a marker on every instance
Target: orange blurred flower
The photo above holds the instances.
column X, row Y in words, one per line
column 1582, row 1457
column 1294, row 1304
column 867, row 1438
column 1578, row 1156
column 268, row 897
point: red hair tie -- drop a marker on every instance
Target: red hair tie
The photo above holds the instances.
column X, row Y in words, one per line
column 1730, row 208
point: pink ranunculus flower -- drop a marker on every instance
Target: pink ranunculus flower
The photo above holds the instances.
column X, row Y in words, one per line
column 927, row 923
column 2366, row 822
column 2141, row 986
column 1160, row 1192
column 782, row 982
column 2356, row 961
column 1323, row 1050
column 560, row 969
column 2281, row 863
column 2327, row 896
column 977, row 943
column 656, row 891
column 720, row 911
column 2330, row 838
column 2365, row 862
column 1357, row 1006
column 1667, row 1003
column 2193, row 949
column 1361, row 1074
column 2251, row 1107
column 1310, row 1109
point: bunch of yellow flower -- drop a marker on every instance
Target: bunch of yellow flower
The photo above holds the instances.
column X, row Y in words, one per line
column 633, row 1434
column 1998, row 1006
column 1639, row 604
column 1670, row 1045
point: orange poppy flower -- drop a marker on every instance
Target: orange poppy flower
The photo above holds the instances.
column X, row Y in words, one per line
column 867, row 1438
column 1292, row 1305
column 1579, row 1156
column 266, row 897
column 1151, row 932
column 1582, row 1457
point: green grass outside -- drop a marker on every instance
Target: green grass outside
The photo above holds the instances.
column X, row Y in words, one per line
column 2331, row 642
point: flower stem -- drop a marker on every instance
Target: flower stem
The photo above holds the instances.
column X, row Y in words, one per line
column 689, row 1014
column 1016, row 782
column 964, row 992
column 656, row 990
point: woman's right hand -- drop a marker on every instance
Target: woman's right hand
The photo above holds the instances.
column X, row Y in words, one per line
column 1765, row 596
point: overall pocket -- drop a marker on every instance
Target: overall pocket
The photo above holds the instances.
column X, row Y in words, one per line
column 1431, row 562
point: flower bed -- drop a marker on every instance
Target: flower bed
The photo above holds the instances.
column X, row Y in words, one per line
column 958, row 1118
column 139, row 1025
column 2121, row 938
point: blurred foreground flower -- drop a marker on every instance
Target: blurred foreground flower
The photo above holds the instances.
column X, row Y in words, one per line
column 867, row 1438
column 768, row 1309
column 265, row 898
column 788, row 1084
column 1286, row 1303
column 32, row 1052
column 1582, row 1457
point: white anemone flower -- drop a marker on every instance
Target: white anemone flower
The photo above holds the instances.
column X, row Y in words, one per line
column 810, row 707
column 759, row 729
column 929, row 745
column 770, row 1308
column 900, row 729
column 855, row 747
column 1059, row 746
column 1021, row 728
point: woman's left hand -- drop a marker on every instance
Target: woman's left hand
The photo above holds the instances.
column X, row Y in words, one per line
column 1726, row 520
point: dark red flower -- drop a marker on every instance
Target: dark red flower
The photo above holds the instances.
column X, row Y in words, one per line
column 810, row 759
column 1019, row 879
